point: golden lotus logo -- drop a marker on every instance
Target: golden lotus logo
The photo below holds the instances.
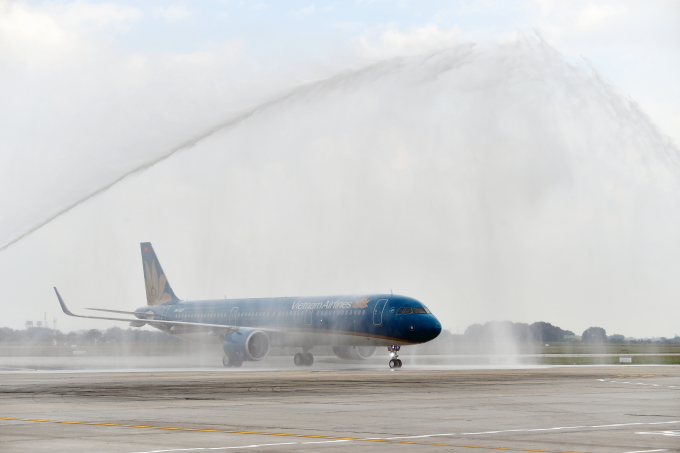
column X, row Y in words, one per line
column 155, row 286
column 361, row 303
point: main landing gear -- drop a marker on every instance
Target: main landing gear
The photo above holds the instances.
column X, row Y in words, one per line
column 394, row 361
column 235, row 361
column 303, row 358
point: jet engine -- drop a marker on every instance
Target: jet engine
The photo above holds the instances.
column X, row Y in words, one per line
column 249, row 345
column 355, row 352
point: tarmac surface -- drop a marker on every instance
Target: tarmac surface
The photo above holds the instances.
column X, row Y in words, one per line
column 342, row 408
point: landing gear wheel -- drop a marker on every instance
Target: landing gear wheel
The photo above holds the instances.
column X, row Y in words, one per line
column 394, row 361
column 299, row 359
column 309, row 359
column 226, row 362
column 236, row 362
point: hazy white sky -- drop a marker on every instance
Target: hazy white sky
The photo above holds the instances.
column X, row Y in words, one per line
column 92, row 90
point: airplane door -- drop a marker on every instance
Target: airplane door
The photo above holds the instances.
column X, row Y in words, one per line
column 232, row 316
column 378, row 311
column 308, row 317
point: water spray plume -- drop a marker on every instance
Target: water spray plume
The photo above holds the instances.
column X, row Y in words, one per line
column 497, row 181
column 299, row 91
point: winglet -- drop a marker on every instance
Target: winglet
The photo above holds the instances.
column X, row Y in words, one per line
column 61, row 302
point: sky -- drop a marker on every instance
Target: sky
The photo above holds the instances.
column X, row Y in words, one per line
column 496, row 160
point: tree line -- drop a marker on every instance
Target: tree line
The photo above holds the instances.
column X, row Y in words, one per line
column 538, row 332
column 518, row 332
column 42, row 335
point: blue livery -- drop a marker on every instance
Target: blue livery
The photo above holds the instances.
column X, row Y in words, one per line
column 354, row 325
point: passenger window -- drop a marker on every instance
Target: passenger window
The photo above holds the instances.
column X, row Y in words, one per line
column 419, row 311
column 400, row 311
column 408, row 311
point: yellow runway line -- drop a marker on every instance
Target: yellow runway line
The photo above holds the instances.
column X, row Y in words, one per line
column 636, row 375
column 356, row 439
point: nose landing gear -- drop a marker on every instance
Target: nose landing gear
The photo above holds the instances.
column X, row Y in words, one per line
column 394, row 361
column 303, row 358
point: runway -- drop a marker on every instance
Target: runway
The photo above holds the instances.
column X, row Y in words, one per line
column 558, row 409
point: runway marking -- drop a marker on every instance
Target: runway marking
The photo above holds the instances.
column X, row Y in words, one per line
column 663, row 433
column 571, row 427
column 638, row 383
column 424, row 435
column 325, row 441
column 218, row 448
column 644, row 451
column 638, row 375
column 617, row 425
column 356, row 439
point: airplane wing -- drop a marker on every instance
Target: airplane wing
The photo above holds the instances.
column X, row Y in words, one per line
column 139, row 322
column 133, row 313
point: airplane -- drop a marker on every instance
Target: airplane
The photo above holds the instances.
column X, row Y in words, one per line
column 355, row 326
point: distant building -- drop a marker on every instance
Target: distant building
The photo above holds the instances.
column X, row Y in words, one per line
column 29, row 324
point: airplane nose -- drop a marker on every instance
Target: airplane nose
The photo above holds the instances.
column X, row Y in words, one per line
column 430, row 329
column 434, row 329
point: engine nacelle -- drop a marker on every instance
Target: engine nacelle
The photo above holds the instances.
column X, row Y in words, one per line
column 249, row 345
column 355, row 352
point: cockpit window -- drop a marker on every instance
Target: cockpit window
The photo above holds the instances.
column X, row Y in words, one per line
column 408, row 311
column 400, row 311
column 420, row 311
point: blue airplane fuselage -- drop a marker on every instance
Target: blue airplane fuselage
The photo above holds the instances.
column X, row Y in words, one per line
column 364, row 320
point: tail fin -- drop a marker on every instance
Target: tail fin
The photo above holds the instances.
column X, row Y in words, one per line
column 158, row 290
